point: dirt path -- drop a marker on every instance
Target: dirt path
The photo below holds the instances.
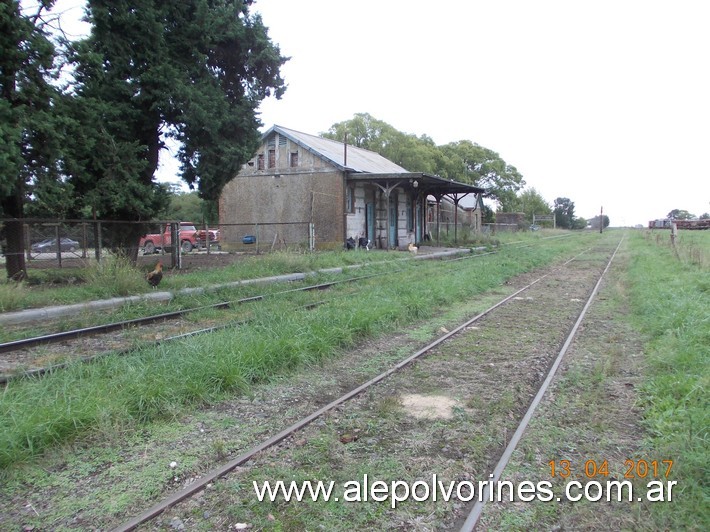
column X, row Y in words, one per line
column 448, row 415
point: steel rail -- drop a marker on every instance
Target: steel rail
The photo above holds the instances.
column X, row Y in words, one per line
column 38, row 372
column 101, row 329
column 211, row 476
column 475, row 513
column 25, row 343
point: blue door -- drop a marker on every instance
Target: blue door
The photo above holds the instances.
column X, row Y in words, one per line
column 393, row 221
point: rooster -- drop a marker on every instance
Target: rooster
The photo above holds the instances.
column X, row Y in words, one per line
column 412, row 248
column 156, row 275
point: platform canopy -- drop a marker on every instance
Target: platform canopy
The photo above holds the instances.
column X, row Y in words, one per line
column 418, row 181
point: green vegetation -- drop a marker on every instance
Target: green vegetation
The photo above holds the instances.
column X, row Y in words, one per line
column 147, row 71
column 158, row 383
column 661, row 292
column 117, row 277
column 635, row 388
column 671, row 299
column 464, row 161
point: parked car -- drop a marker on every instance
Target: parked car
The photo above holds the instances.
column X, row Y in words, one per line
column 152, row 242
column 190, row 238
column 50, row 245
column 213, row 236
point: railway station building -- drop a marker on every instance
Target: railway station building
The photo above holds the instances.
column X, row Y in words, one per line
column 296, row 179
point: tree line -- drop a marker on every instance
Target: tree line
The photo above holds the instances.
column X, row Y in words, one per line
column 463, row 161
column 83, row 122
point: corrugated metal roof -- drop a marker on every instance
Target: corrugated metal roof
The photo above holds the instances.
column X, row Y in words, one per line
column 359, row 160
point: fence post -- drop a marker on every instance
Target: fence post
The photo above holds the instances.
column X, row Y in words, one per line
column 256, row 231
column 98, row 237
column 83, row 240
column 207, row 238
column 175, row 239
column 311, row 236
column 59, row 245
column 27, row 239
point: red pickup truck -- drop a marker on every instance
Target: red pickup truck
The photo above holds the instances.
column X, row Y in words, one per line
column 189, row 237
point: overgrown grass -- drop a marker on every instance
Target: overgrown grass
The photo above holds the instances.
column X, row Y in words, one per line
column 158, row 383
column 671, row 303
column 12, row 295
column 115, row 277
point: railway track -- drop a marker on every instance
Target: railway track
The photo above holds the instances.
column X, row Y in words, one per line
column 26, row 357
column 80, row 344
column 472, row 353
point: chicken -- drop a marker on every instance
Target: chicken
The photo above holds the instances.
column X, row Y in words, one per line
column 156, row 275
column 412, row 248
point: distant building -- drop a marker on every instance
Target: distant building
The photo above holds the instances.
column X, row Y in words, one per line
column 344, row 191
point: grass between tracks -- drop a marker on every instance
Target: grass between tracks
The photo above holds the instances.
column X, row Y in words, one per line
column 158, row 383
column 634, row 387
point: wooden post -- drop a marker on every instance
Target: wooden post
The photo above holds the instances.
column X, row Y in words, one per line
column 175, row 254
column 83, row 240
column 207, row 238
column 59, row 245
column 97, row 237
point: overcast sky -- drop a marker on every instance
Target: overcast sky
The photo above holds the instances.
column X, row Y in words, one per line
column 606, row 102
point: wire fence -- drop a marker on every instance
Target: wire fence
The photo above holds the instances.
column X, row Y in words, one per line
column 51, row 243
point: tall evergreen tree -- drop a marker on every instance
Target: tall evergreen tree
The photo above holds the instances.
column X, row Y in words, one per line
column 195, row 71
column 30, row 132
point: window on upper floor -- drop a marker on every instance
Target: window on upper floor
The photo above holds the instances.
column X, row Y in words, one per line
column 293, row 162
column 260, row 161
column 272, row 158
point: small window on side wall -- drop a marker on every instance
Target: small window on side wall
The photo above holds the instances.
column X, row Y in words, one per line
column 294, row 159
column 350, row 199
column 260, row 161
column 272, row 158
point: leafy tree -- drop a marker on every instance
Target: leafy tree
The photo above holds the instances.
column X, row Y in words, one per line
column 594, row 222
column 461, row 161
column 564, row 213
column 416, row 154
column 189, row 207
column 705, row 216
column 468, row 162
column 679, row 214
column 488, row 215
column 30, row 124
column 194, row 70
column 530, row 202
column 579, row 223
